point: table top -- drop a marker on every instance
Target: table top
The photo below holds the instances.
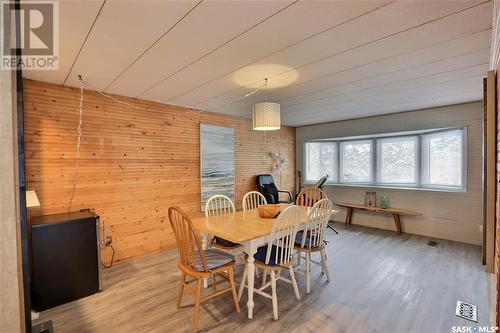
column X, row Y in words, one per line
column 378, row 209
column 240, row 226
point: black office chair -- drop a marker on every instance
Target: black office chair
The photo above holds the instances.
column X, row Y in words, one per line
column 266, row 186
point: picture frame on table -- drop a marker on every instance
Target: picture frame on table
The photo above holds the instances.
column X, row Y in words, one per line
column 371, row 199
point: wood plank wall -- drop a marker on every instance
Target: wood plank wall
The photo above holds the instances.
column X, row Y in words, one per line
column 134, row 164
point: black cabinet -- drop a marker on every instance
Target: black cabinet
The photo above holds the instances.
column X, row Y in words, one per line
column 65, row 258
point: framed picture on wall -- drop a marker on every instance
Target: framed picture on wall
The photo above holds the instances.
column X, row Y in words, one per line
column 370, row 199
column 217, row 162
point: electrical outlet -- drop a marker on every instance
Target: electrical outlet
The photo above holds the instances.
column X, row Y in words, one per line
column 108, row 241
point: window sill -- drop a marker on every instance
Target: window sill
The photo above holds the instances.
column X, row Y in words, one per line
column 398, row 188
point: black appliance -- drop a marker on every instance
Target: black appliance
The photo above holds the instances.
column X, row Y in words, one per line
column 64, row 258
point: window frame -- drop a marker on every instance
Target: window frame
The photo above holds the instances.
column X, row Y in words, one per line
column 418, row 164
column 333, row 179
column 451, row 188
column 340, row 163
column 375, row 163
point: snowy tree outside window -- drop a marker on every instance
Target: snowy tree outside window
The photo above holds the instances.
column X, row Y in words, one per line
column 357, row 161
column 321, row 159
column 398, row 160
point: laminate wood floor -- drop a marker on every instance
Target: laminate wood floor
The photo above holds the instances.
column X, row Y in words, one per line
column 381, row 282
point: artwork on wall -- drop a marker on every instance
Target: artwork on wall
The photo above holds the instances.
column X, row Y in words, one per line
column 217, row 162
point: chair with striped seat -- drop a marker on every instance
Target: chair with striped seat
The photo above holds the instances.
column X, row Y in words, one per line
column 277, row 256
column 311, row 240
column 199, row 264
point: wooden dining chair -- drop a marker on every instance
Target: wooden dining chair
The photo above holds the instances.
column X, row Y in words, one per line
column 277, row 255
column 252, row 200
column 199, row 264
column 309, row 196
column 312, row 239
column 220, row 205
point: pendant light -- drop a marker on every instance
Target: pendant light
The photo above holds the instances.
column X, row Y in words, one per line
column 266, row 115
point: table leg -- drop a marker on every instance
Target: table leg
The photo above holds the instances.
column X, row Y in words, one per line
column 252, row 249
column 348, row 216
column 397, row 221
column 204, row 244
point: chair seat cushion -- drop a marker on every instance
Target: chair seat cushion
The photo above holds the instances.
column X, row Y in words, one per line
column 215, row 258
column 224, row 242
column 262, row 252
column 300, row 236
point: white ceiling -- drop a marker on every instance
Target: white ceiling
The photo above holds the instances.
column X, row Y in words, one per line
column 325, row 60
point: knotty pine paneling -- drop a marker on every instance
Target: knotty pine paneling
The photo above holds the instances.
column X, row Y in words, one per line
column 134, row 164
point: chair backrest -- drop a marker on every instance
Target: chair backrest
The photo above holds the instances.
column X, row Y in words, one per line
column 219, row 205
column 266, row 186
column 252, row 200
column 317, row 221
column 188, row 241
column 283, row 235
column 309, row 196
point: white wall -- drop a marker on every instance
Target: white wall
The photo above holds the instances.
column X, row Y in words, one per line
column 11, row 302
column 11, row 283
column 454, row 216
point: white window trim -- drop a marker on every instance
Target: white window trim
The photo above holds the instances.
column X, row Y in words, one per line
column 375, row 165
column 417, row 161
column 332, row 178
column 340, row 164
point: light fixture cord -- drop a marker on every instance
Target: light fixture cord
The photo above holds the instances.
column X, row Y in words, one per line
column 134, row 106
column 265, row 97
column 79, row 130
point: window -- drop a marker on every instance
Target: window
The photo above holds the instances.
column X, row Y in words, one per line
column 442, row 158
column 398, row 160
column 356, row 160
column 433, row 159
column 321, row 158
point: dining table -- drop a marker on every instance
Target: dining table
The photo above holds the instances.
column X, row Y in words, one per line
column 248, row 229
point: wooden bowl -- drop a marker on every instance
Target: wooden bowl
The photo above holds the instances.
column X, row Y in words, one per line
column 269, row 211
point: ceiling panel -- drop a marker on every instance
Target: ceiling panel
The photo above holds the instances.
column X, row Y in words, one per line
column 124, row 25
column 359, row 91
column 474, row 63
column 293, row 25
column 390, row 89
column 75, row 20
column 382, row 23
column 477, row 62
column 341, row 69
column 436, row 53
column 340, row 59
column 394, row 101
column 210, row 25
